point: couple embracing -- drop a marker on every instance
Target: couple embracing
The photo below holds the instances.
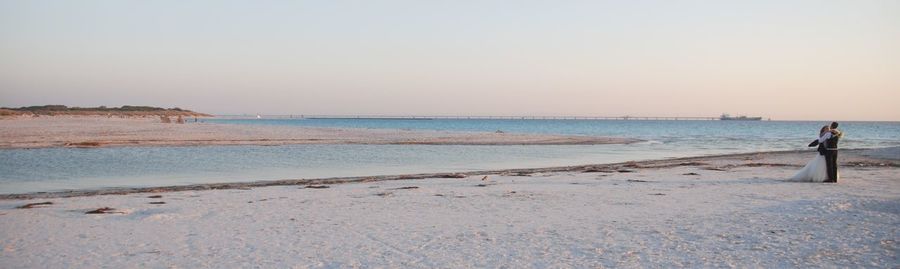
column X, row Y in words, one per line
column 823, row 168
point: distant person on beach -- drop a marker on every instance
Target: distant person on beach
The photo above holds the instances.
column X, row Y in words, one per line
column 822, row 168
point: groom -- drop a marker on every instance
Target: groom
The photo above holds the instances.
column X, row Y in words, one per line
column 830, row 142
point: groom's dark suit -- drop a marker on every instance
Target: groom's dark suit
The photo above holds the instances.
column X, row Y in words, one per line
column 821, row 147
column 831, row 154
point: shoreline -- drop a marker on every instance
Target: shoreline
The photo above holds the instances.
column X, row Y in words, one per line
column 91, row 132
column 857, row 157
column 736, row 210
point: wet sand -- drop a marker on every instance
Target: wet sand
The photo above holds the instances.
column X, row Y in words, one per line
column 73, row 131
column 720, row 211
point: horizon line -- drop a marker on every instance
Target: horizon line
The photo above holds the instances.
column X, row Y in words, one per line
column 512, row 117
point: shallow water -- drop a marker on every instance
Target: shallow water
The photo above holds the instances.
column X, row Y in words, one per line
column 740, row 135
column 54, row 169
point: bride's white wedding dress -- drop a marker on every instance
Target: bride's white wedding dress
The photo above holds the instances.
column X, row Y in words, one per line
column 814, row 171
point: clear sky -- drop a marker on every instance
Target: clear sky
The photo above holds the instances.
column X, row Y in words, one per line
column 783, row 59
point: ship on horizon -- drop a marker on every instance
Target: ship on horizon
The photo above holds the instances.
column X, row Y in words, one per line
column 741, row 117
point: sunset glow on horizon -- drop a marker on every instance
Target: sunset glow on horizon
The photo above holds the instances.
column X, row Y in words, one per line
column 786, row 60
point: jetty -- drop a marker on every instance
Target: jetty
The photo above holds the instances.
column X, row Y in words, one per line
column 411, row 117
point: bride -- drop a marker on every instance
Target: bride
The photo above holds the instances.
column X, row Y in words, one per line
column 816, row 170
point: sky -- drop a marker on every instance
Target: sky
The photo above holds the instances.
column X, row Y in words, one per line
column 786, row 60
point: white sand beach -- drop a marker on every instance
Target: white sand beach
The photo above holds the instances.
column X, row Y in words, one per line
column 449, row 134
column 91, row 131
column 727, row 211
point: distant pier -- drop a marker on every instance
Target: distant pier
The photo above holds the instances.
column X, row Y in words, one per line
column 382, row 117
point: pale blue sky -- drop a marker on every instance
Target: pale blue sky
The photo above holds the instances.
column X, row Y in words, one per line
column 782, row 59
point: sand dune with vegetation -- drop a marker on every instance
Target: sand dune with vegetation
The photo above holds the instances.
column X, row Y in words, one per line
column 123, row 111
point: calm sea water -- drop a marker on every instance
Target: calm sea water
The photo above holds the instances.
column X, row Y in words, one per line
column 54, row 169
column 746, row 135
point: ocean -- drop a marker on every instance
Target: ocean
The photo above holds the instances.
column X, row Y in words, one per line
column 57, row 169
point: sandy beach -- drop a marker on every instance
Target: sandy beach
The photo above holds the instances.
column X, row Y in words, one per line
column 451, row 134
column 721, row 211
column 75, row 131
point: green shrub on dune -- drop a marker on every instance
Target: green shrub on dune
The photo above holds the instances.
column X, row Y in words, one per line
column 126, row 110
